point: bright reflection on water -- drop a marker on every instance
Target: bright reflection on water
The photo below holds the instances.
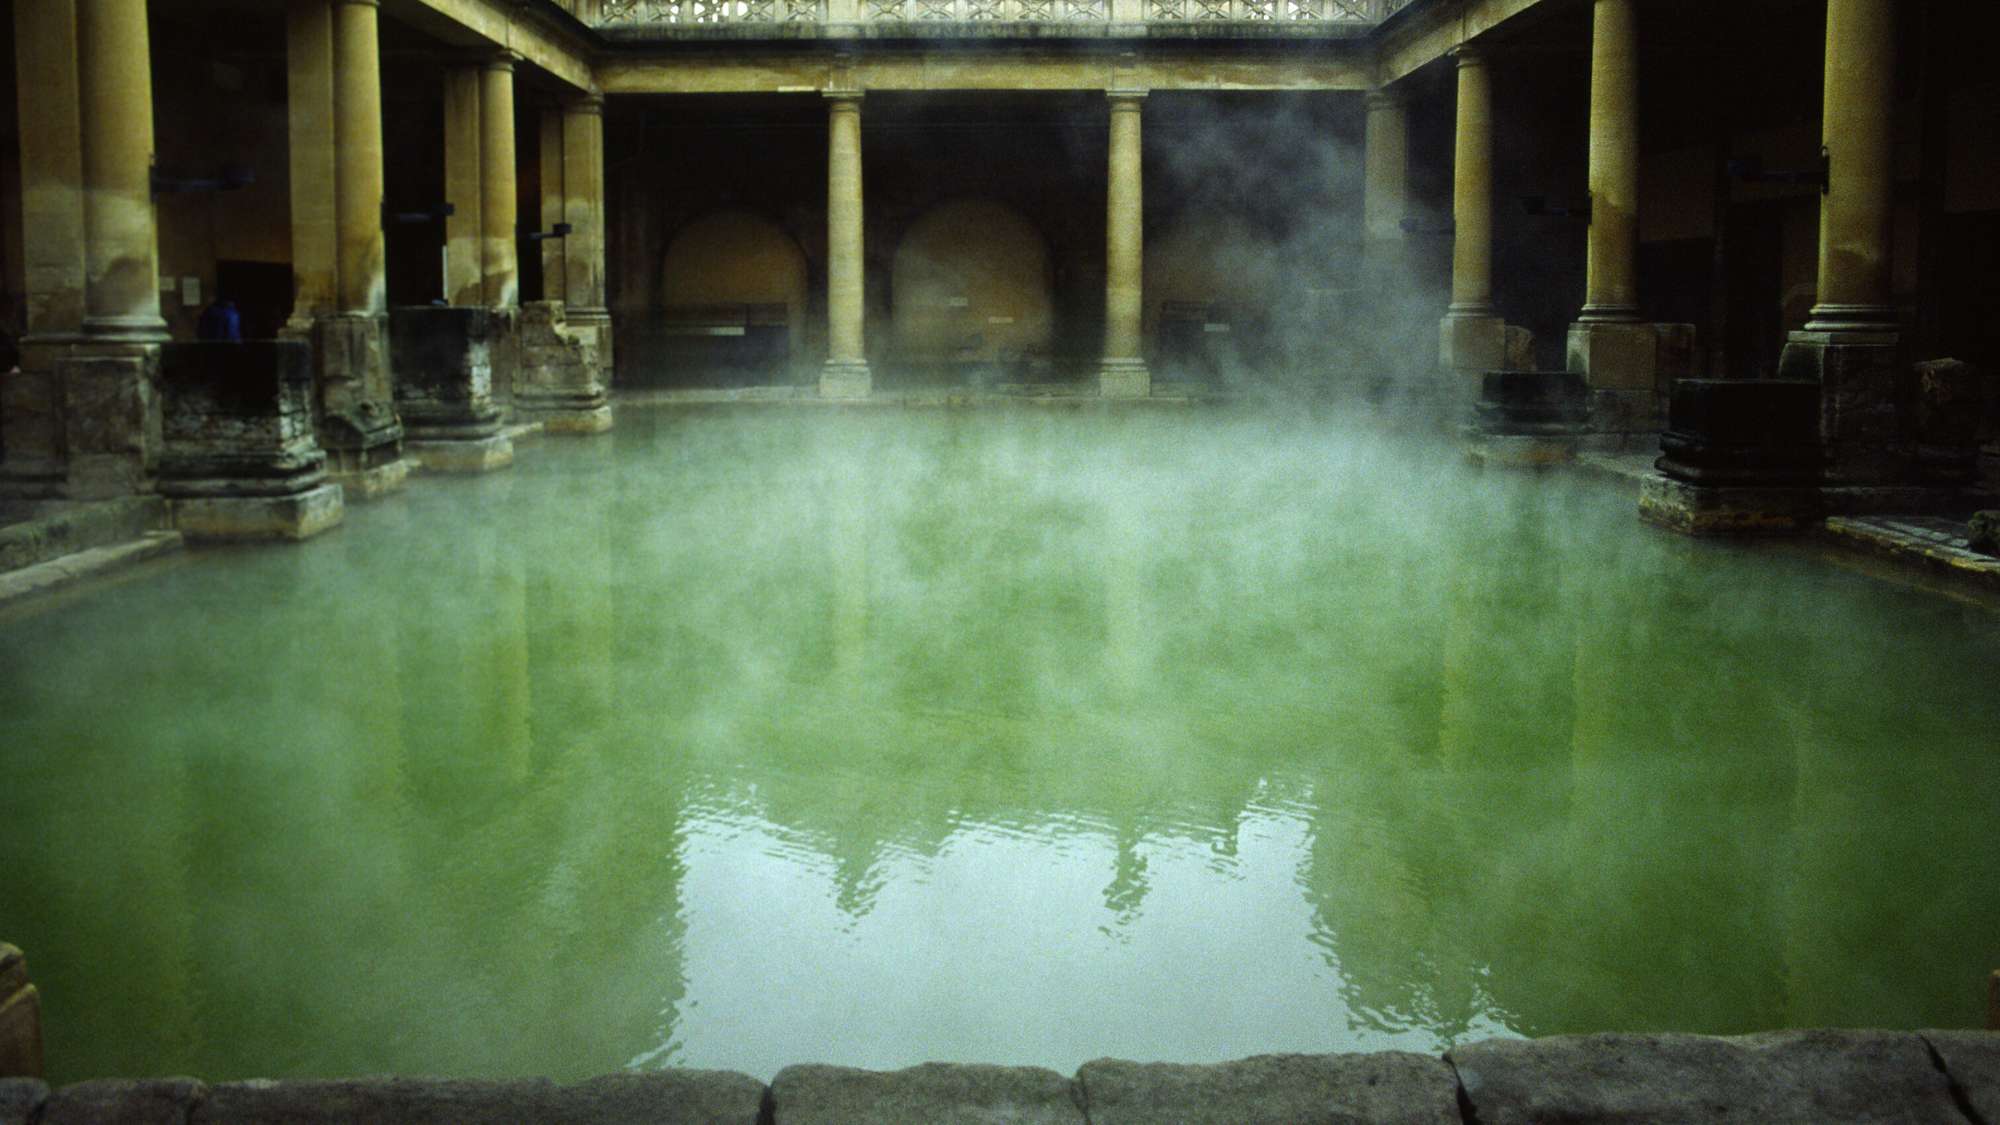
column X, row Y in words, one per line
column 743, row 739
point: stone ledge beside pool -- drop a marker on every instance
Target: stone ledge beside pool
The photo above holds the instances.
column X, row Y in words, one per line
column 1774, row 1078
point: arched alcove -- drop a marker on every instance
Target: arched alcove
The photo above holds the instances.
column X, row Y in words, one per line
column 733, row 298
column 970, row 283
column 1209, row 284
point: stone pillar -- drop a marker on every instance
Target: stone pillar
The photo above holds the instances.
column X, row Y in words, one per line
column 315, row 225
column 121, row 237
column 31, row 418
column 1474, row 339
column 359, row 428
column 1385, row 190
column 499, row 214
column 1124, row 373
column 1850, row 343
column 1617, row 355
column 583, row 210
column 846, row 373
column 464, row 268
column 499, row 219
column 549, row 157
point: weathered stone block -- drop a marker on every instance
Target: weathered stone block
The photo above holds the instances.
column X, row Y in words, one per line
column 1615, row 355
column 1742, row 432
column 478, row 455
column 1391, row 1086
column 1520, row 349
column 21, row 1100
column 1531, row 402
column 1971, row 1061
column 1771, row 1079
column 560, row 381
column 358, row 424
column 1859, row 378
column 378, row 1101
column 1472, row 344
column 663, row 1097
column 931, row 1094
column 301, row 515
column 117, row 1101
column 1950, row 411
column 1679, row 356
column 444, row 372
column 31, row 423
column 111, row 420
column 1706, row 509
column 1115, row 379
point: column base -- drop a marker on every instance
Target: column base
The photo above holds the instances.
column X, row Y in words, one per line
column 1124, row 378
column 111, row 422
column 1615, row 355
column 361, row 484
column 1727, row 510
column 301, row 515
column 845, row 379
column 1472, row 344
column 1860, row 379
column 478, row 455
column 572, row 420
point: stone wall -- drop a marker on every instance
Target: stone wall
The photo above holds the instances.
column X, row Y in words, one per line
column 1950, row 1077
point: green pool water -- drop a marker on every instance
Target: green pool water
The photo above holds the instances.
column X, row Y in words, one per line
column 742, row 739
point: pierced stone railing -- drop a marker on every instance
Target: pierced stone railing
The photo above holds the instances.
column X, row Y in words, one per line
column 669, row 16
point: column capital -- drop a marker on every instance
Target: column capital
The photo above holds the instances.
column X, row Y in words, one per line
column 502, row 59
column 361, row 3
column 1386, row 98
column 844, row 97
column 584, row 105
column 1467, row 55
column 1125, row 97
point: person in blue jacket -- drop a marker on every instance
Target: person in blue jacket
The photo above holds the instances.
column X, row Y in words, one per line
column 220, row 321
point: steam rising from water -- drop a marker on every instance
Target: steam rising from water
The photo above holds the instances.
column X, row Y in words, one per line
column 871, row 737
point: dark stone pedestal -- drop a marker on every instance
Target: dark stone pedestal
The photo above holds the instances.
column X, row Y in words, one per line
column 1739, row 457
column 1860, row 379
column 241, row 459
column 444, row 387
column 1528, row 419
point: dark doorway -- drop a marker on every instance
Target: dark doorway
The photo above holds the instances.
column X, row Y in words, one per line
column 262, row 292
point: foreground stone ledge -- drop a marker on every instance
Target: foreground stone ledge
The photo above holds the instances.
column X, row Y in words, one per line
column 1778, row 1078
column 931, row 1094
column 1392, row 1086
column 117, row 1101
column 1971, row 1060
column 21, row 1099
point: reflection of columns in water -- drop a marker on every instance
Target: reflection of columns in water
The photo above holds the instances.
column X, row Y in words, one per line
column 1128, row 640
column 571, row 612
column 849, row 528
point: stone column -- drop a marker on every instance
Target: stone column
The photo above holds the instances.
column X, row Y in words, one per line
column 559, row 379
column 1616, row 354
column 583, row 210
column 846, row 373
column 315, row 225
column 359, row 428
column 499, row 220
column 464, row 268
column 1474, row 339
column 1124, row 373
column 31, row 420
column 121, row 237
column 1385, row 190
column 1850, row 345
column 549, row 156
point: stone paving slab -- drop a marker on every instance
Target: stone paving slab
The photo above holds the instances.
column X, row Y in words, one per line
column 1971, row 1059
column 21, row 1099
column 1389, row 1087
column 676, row 1097
column 1937, row 543
column 118, row 1101
column 1778, row 1078
column 43, row 577
column 931, row 1094
column 664, row 1097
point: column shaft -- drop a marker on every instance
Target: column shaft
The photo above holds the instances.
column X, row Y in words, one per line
column 310, row 142
column 1855, row 214
column 1611, row 291
column 550, row 158
column 1124, row 232
column 464, row 264
column 121, row 239
column 357, row 109
column 846, row 373
column 1385, row 185
column 52, row 231
column 583, row 204
column 1472, row 190
column 498, row 208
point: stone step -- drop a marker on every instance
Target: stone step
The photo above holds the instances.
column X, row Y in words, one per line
column 40, row 531
column 43, row 577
